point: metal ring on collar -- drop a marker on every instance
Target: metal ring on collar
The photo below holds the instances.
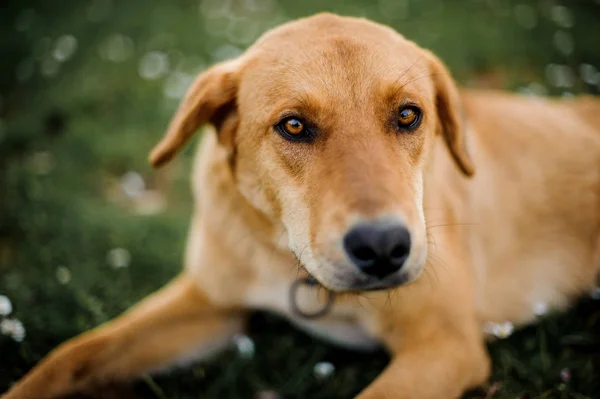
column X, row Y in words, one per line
column 311, row 282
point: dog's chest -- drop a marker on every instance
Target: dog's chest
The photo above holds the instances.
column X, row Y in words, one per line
column 345, row 324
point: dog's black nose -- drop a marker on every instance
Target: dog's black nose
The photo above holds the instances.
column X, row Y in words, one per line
column 378, row 249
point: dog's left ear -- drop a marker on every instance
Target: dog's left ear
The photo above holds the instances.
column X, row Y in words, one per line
column 210, row 99
column 449, row 113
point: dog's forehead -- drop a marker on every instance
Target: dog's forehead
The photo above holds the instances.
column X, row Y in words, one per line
column 327, row 40
column 324, row 26
column 332, row 58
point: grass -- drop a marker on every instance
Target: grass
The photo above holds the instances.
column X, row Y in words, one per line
column 70, row 130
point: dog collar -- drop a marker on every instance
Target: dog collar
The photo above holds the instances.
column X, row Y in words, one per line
column 310, row 282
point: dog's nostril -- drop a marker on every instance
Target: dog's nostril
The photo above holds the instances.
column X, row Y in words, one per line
column 399, row 252
column 378, row 249
column 364, row 254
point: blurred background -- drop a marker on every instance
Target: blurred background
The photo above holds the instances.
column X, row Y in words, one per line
column 87, row 228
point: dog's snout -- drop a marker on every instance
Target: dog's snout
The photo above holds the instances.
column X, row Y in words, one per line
column 378, row 249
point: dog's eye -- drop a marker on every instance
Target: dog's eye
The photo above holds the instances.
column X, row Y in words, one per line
column 409, row 117
column 293, row 128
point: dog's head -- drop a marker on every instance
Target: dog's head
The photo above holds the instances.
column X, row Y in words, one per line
column 329, row 121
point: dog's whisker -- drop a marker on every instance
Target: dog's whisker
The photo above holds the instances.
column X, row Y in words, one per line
column 418, row 78
column 419, row 58
column 427, row 274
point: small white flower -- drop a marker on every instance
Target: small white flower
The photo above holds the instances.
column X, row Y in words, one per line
column 500, row 330
column 565, row 375
column 504, row 330
column 63, row 275
column 244, row 345
column 133, row 184
column 5, row 306
column 14, row 328
column 323, row 370
column 540, row 308
column 118, row 258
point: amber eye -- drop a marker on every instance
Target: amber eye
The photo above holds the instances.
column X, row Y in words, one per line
column 293, row 128
column 409, row 117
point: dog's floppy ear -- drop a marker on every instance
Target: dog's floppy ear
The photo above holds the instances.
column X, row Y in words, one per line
column 209, row 99
column 449, row 114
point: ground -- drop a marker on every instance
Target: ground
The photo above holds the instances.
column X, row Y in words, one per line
column 87, row 228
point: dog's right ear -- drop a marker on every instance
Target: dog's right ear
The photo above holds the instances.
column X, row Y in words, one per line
column 209, row 99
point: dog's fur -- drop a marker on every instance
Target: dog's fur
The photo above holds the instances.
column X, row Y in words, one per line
column 501, row 195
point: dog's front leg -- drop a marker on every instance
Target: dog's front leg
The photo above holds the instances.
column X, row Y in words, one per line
column 165, row 328
column 440, row 366
column 438, row 347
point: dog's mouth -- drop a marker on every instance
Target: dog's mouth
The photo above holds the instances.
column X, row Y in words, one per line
column 357, row 286
column 341, row 277
column 386, row 284
column 356, row 283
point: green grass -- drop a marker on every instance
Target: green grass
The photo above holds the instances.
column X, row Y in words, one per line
column 65, row 138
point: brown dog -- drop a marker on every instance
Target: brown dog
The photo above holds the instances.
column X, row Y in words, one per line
column 336, row 140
